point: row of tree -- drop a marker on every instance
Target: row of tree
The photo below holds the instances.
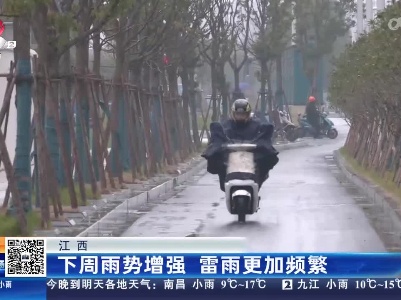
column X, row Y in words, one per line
column 262, row 30
column 153, row 42
column 366, row 87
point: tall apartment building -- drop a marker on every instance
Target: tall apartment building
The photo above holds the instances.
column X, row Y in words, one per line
column 366, row 11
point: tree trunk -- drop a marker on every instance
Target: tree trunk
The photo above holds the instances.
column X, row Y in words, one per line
column 192, row 103
column 65, row 97
column 173, row 107
column 263, row 83
column 96, row 70
column 214, row 77
column 82, row 103
column 97, row 48
column 47, row 143
column 22, row 162
column 140, row 148
column 186, row 94
column 51, row 132
column 116, row 153
column 53, row 106
column 311, row 70
column 269, row 95
column 42, row 163
column 45, row 35
column 315, row 78
column 155, row 118
column 237, row 89
column 82, row 106
column 279, row 77
column 223, row 91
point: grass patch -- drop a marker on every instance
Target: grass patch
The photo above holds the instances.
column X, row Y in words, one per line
column 65, row 195
column 200, row 122
column 383, row 181
column 9, row 225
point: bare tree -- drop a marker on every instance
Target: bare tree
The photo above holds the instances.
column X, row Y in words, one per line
column 318, row 24
column 241, row 43
column 135, row 37
column 217, row 48
column 182, row 48
column 272, row 18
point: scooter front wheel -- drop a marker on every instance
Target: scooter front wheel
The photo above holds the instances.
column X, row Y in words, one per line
column 241, row 204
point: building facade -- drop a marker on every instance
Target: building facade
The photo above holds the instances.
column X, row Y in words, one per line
column 296, row 84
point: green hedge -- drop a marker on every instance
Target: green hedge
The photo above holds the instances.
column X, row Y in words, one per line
column 366, row 81
column 366, row 86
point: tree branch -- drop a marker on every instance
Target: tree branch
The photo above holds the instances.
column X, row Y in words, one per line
column 94, row 28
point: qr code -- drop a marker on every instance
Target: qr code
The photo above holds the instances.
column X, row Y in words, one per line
column 25, row 257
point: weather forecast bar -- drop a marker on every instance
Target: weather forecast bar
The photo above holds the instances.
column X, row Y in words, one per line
column 227, row 288
column 84, row 268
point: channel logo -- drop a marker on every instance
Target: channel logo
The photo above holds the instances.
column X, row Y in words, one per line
column 394, row 23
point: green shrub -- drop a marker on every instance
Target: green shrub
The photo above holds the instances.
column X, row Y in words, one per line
column 9, row 226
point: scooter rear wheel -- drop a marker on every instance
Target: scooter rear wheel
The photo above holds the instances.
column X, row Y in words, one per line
column 291, row 135
column 300, row 132
column 332, row 133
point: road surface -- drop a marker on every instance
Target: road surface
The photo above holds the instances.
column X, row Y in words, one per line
column 304, row 208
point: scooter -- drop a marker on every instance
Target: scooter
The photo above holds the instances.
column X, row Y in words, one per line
column 306, row 130
column 242, row 191
column 285, row 129
column 240, row 159
column 289, row 128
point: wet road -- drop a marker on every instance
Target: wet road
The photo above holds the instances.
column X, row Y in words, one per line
column 304, row 208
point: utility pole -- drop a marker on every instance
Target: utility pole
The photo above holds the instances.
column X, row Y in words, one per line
column 369, row 14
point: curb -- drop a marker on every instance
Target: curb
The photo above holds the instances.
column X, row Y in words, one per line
column 164, row 188
column 373, row 192
column 290, row 146
column 141, row 199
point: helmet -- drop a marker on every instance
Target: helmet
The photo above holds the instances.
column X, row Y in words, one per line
column 311, row 99
column 241, row 110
